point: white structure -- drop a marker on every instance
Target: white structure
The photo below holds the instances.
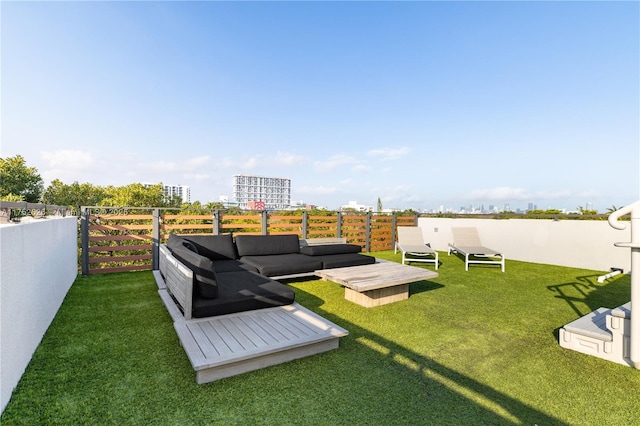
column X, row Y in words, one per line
column 182, row 191
column 353, row 205
column 275, row 193
column 613, row 334
column 38, row 265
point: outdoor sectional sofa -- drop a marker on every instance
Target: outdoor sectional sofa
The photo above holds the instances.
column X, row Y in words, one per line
column 230, row 314
column 235, row 276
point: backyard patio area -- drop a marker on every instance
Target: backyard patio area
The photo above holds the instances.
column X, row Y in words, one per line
column 476, row 347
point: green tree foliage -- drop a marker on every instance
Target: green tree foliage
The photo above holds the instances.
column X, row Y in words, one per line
column 379, row 207
column 19, row 180
column 137, row 195
column 74, row 195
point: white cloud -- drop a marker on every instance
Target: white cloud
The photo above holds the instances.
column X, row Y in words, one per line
column 196, row 176
column 386, row 154
column 361, row 168
column 334, row 162
column 186, row 165
column 289, row 159
column 68, row 159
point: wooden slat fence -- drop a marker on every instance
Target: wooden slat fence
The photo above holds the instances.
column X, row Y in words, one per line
column 127, row 239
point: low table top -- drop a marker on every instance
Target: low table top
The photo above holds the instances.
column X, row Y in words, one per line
column 376, row 275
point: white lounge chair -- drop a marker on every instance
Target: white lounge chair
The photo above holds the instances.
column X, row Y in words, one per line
column 413, row 247
column 466, row 241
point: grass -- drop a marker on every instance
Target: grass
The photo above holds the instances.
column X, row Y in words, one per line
column 477, row 347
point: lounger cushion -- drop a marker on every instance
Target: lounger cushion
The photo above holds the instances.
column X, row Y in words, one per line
column 204, row 274
column 243, row 291
column 283, row 264
column 215, row 247
column 324, row 249
column 264, row 245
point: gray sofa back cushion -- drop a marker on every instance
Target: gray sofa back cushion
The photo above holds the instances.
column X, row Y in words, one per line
column 215, row 247
column 264, row 245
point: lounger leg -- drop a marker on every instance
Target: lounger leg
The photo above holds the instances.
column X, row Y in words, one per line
column 466, row 262
column 436, row 261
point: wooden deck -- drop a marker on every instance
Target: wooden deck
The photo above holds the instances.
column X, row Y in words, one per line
column 227, row 345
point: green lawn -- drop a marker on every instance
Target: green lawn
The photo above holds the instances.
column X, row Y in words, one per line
column 477, row 348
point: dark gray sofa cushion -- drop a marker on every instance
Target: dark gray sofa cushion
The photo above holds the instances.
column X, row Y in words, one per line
column 264, row 245
column 283, row 264
column 206, row 284
column 343, row 260
column 215, row 247
column 321, row 250
column 243, row 291
column 231, row 266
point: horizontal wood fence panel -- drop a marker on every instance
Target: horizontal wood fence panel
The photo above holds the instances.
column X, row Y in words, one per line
column 107, row 259
column 121, row 217
column 130, row 268
column 283, row 233
column 128, row 242
column 128, row 237
column 94, row 249
column 240, row 225
column 124, row 227
column 186, row 226
column 255, row 217
column 187, row 217
column 285, row 218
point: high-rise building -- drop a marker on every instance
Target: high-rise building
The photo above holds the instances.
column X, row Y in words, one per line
column 275, row 193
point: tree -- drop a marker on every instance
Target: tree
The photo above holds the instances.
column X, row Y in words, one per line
column 379, row 210
column 16, row 179
column 135, row 195
column 74, row 195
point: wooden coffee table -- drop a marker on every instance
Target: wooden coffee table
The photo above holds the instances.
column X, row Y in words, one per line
column 378, row 283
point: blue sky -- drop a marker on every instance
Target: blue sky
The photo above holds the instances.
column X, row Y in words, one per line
column 422, row 104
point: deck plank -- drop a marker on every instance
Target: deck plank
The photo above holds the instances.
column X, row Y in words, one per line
column 242, row 342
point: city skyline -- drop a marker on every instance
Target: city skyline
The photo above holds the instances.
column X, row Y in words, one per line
column 420, row 104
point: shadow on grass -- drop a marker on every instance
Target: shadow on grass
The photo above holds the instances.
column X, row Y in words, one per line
column 448, row 396
column 588, row 292
column 423, row 286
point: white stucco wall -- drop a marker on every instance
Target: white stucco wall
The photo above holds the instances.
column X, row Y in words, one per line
column 576, row 243
column 38, row 264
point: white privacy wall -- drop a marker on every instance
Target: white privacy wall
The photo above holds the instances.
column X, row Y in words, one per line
column 575, row 243
column 38, row 264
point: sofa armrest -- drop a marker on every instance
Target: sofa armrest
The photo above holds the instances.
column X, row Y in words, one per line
column 178, row 279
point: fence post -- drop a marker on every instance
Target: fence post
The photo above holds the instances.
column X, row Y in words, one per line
column 155, row 248
column 339, row 225
column 265, row 223
column 367, row 244
column 84, row 238
column 394, row 230
column 216, row 222
column 305, row 218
